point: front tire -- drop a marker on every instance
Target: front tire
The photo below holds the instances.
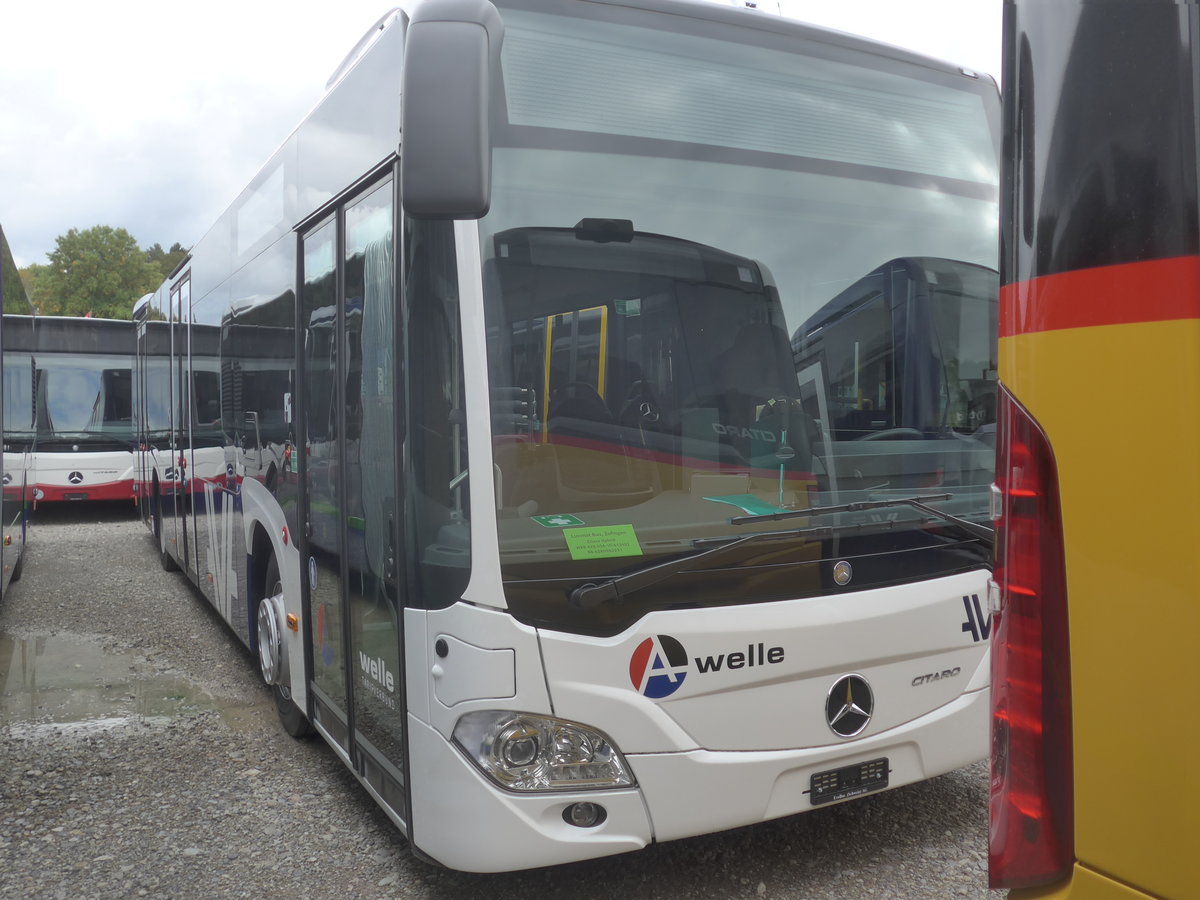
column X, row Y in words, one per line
column 291, row 717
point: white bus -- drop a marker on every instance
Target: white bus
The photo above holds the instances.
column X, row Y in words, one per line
column 477, row 417
column 82, row 381
column 17, row 410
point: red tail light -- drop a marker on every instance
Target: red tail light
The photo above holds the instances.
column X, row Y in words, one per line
column 1031, row 837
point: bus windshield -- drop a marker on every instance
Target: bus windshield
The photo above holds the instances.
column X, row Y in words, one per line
column 725, row 278
column 84, row 397
column 18, row 397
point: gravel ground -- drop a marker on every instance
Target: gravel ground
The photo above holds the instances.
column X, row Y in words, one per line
column 183, row 785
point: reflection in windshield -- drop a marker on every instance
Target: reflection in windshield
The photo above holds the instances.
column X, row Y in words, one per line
column 705, row 303
column 636, row 361
column 84, row 395
column 18, row 394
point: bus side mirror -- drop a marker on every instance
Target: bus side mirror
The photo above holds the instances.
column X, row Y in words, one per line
column 446, row 152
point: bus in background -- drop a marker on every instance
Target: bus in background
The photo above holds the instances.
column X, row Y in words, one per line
column 514, row 486
column 17, row 405
column 151, row 393
column 84, row 423
column 902, row 367
column 1094, row 794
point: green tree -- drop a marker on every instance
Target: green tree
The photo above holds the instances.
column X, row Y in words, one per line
column 167, row 260
column 37, row 283
column 16, row 294
column 101, row 271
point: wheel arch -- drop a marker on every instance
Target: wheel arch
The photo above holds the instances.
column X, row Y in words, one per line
column 267, row 535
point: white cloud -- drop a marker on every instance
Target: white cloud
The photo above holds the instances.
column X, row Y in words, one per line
column 966, row 32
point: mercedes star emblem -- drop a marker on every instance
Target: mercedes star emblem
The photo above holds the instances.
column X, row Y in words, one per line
column 849, row 705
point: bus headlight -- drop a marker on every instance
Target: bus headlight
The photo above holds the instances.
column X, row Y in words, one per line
column 525, row 752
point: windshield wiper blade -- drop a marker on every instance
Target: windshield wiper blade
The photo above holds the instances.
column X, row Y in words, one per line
column 853, row 506
column 982, row 532
column 919, row 503
column 592, row 594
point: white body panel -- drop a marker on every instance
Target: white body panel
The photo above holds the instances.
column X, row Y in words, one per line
column 701, row 792
column 476, row 827
column 441, row 689
column 101, row 475
column 726, row 748
column 890, row 636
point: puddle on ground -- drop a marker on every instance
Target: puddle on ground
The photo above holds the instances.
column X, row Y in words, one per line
column 66, row 684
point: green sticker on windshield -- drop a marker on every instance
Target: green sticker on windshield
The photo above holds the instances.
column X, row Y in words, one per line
column 747, row 503
column 560, row 520
column 602, row 542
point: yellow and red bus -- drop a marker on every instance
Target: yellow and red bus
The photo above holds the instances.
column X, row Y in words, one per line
column 1095, row 793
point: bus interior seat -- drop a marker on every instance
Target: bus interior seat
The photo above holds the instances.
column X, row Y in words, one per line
column 594, row 465
column 578, row 409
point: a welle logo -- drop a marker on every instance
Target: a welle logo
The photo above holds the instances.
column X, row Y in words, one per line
column 377, row 678
column 659, row 664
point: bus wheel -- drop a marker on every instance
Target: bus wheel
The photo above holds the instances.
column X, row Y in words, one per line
column 272, row 654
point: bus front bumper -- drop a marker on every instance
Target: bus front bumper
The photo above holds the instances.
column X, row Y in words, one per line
column 464, row 821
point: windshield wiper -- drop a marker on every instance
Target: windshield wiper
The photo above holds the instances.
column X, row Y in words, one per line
column 592, row 594
column 919, row 503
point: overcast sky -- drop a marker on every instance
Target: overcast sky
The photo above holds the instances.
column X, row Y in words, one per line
column 151, row 115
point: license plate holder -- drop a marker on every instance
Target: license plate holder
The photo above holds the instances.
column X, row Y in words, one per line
column 849, row 781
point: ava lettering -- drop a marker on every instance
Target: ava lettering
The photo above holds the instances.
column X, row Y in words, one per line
column 977, row 625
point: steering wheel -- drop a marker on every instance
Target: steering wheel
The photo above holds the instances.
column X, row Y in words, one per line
column 641, row 406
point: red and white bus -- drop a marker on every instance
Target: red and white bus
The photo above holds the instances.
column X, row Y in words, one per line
column 82, row 371
column 586, row 417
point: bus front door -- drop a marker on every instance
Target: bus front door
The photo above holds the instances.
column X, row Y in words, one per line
column 176, row 479
column 349, row 404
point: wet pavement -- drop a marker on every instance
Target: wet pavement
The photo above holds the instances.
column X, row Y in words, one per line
column 70, row 684
column 140, row 756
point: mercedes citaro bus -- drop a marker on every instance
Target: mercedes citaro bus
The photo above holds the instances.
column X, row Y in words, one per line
column 82, row 370
column 505, row 417
column 1095, row 794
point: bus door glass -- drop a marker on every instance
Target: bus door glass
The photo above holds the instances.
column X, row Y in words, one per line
column 370, row 454
column 141, row 349
column 154, row 355
column 351, row 452
column 177, row 473
column 191, row 479
column 322, row 570
column 214, row 541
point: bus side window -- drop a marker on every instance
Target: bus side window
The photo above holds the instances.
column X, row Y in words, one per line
column 439, row 480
